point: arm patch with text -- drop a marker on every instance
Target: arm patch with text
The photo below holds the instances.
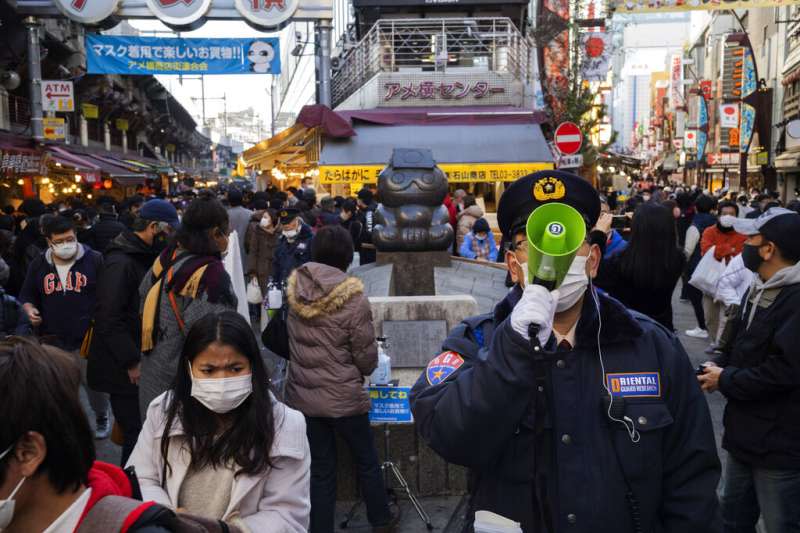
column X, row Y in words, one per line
column 441, row 366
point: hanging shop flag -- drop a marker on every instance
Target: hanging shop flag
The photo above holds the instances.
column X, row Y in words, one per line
column 746, row 128
column 106, row 54
column 652, row 6
column 676, row 81
column 729, row 115
column 596, row 50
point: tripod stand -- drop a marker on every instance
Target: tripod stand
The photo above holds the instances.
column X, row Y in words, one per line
column 388, row 468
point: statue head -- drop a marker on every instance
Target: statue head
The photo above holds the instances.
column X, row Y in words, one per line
column 412, row 177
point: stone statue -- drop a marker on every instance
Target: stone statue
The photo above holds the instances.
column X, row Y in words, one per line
column 411, row 217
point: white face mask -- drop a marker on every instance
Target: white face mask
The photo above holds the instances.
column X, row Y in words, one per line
column 221, row 395
column 573, row 286
column 264, row 222
column 726, row 221
column 65, row 250
column 7, row 505
column 290, row 233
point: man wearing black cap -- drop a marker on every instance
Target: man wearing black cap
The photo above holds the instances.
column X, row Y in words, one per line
column 603, row 429
column 759, row 374
column 115, row 351
column 294, row 246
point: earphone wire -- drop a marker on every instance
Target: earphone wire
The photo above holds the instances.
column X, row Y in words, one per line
column 625, row 421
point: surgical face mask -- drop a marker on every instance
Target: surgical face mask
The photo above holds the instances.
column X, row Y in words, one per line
column 65, row 250
column 726, row 221
column 264, row 222
column 290, row 234
column 221, row 395
column 481, row 237
column 574, row 284
column 7, row 505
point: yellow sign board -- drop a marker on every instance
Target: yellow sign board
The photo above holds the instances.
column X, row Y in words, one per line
column 90, row 111
column 122, row 124
column 660, row 6
column 456, row 172
column 54, row 128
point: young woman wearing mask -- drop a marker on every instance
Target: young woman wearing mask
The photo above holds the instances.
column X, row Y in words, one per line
column 218, row 444
column 187, row 281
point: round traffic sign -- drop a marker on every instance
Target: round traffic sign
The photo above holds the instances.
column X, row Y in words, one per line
column 568, row 138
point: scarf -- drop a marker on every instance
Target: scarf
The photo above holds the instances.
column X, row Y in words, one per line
column 197, row 274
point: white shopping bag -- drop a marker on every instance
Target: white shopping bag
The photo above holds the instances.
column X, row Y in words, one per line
column 706, row 276
column 254, row 295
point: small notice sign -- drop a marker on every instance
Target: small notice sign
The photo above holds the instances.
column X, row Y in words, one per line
column 390, row 404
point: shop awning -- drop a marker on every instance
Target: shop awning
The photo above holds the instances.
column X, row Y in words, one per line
column 478, row 153
column 113, row 170
column 297, row 146
column 788, row 161
column 67, row 158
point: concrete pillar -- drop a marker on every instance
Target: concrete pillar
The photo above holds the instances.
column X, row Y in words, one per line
column 83, row 125
column 5, row 116
column 107, row 136
column 324, row 29
column 35, row 77
column 124, row 142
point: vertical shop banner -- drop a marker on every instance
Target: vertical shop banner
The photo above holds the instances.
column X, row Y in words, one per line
column 107, row 54
column 553, row 25
column 676, row 81
column 596, row 50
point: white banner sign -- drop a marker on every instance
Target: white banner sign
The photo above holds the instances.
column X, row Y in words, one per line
column 729, row 115
column 676, row 81
column 596, row 50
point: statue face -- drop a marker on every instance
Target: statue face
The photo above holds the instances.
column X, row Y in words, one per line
column 405, row 186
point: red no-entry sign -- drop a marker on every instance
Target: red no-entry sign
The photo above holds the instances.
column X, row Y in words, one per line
column 568, row 138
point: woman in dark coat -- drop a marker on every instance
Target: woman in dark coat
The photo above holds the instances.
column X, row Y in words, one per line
column 643, row 276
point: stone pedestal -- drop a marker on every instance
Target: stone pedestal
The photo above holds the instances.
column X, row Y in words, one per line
column 412, row 272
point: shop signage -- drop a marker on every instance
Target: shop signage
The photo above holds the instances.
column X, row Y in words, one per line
column 268, row 13
column 662, row 6
column 676, row 81
column 121, row 124
column 12, row 162
column 106, row 54
column 179, row 12
column 706, row 87
column 456, row 172
column 690, row 139
column 87, row 11
column 722, row 159
column 568, row 138
column 54, row 128
column 429, row 90
column 596, row 48
column 729, row 115
column 58, row 95
column 90, row 111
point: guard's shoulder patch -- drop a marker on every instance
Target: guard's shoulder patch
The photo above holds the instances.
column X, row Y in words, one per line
column 634, row 384
column 441, row 366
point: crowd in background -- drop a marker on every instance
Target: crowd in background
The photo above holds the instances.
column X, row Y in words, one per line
column 140, row 296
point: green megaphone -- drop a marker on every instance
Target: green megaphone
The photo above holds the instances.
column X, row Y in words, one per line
column 555, row 232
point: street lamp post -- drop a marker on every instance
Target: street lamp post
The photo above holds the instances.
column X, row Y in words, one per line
column 35, row 75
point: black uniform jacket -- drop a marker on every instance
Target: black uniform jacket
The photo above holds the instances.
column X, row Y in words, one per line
column 553, row 460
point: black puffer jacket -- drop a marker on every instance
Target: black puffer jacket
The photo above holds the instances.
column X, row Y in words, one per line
column 117, row 330
column 761, row 379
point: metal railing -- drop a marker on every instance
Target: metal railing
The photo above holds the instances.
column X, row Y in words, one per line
column 19, row 110
column 434, row 45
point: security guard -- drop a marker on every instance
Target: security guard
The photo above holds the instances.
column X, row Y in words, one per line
column 602, row 430
column 294, row 245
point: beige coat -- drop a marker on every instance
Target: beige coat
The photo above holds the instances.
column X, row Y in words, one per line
column 276, row 502
column 331, row 340
column 466, row 219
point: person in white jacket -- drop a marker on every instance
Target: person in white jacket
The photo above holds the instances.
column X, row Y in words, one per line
column 218, row 444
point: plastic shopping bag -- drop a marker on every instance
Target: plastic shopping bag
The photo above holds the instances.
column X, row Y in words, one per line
column 254, row 295
column 706, row 276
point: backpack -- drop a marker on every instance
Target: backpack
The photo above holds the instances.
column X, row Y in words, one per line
column 118, row 514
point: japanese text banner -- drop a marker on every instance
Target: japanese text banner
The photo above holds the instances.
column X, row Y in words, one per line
column 106, row 54
column 652, row 6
